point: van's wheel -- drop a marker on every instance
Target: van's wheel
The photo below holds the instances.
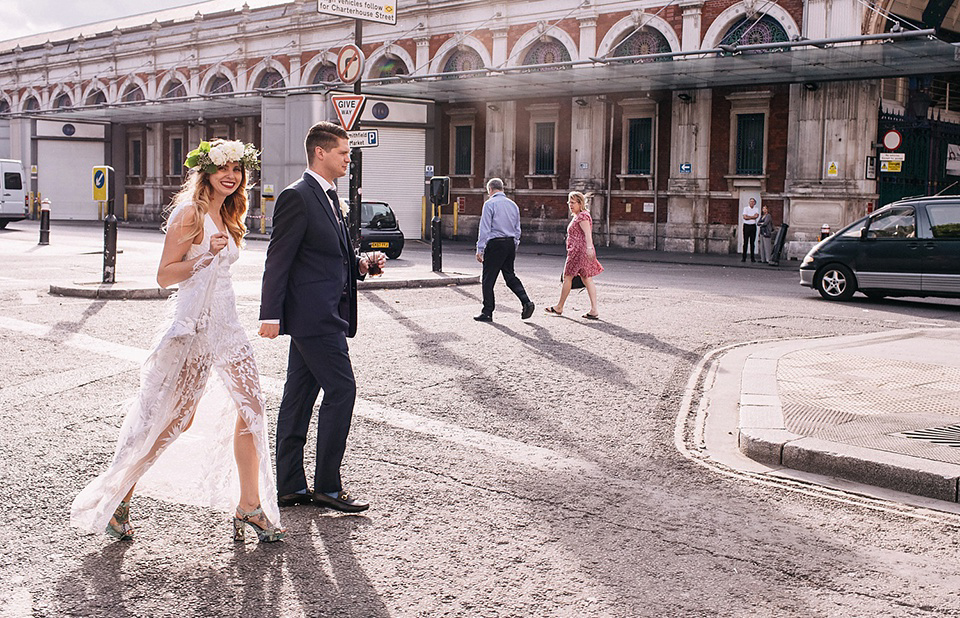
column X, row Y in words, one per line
column 393, row 254
column 836, row 282
column 3, row 224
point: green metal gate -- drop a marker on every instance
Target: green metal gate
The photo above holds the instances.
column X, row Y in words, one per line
column 924, row 169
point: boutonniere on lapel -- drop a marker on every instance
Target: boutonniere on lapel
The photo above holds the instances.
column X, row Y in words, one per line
column 344, row 207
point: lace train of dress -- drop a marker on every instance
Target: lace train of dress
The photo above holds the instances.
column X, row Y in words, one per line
column 154, row 449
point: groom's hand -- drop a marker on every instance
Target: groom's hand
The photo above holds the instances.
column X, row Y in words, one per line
column 269, row 331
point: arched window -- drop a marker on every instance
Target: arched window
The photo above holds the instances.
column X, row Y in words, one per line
column 750, row 31
column 62, row 101
column 547, row 52
column 465, row 59
column 220, row 85
column 4, row 107
column 174, row 90
column 642, row 42
column 326, row 73
column 32, row 105
column 133, row 94
column 97, row 97
column 389, row 66
column 270, row 79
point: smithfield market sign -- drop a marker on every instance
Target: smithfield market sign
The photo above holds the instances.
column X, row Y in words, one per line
column 384, row 12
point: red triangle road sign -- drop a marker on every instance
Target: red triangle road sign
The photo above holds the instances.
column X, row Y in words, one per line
column 348, row 108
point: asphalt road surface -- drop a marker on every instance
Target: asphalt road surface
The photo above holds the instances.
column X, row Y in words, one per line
column 519, row 468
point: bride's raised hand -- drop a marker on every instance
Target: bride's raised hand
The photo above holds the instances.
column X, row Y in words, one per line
column 217, row 242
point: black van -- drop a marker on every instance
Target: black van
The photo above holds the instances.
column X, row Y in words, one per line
column 907, row 248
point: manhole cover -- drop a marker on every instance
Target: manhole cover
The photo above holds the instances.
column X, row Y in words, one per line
column 948, row 435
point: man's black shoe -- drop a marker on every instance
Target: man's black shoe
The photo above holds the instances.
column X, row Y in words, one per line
column 483, row 317
column 527, row 311
column 343, row 502
column 294, row 499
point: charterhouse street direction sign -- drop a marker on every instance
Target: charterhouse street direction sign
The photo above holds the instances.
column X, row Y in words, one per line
column 381, row 11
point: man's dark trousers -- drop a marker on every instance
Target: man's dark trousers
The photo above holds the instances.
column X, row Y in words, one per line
column 498, row 257
column 322, row 361
column 749, row 237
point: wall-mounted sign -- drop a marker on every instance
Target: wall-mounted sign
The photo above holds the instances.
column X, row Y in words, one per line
column 870, row 172
column 833, row 169
column 953, row 159
column 686, row 168
column 383, row 11
column 892, row 139
column 891, row 166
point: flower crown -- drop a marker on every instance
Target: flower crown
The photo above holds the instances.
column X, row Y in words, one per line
column 210, row 156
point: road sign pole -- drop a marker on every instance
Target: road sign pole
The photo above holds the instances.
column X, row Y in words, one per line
column 356, row 158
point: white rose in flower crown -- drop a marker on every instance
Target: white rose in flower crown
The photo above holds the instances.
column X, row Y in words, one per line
column 218, row 156
column 233, row 150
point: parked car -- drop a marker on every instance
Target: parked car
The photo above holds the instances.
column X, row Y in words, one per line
column 908, row 248
column 379, row 230
column 13, row 204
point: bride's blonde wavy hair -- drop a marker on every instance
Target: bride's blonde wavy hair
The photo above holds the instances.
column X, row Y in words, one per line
column 196, row 192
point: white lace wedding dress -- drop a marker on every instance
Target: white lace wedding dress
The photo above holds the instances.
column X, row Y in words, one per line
column 155, row 449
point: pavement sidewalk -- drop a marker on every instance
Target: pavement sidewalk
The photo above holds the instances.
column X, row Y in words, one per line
column 879, row 409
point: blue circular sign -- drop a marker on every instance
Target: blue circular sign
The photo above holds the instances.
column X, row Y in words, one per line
column 99, row 178
column 69, row 129
column 381, row 111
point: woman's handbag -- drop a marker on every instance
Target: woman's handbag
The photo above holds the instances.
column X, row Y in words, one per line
column 576, row 284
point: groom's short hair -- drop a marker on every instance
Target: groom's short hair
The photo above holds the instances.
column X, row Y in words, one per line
column 324, row 135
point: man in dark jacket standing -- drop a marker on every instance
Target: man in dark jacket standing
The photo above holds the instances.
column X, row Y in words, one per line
column 310, row 293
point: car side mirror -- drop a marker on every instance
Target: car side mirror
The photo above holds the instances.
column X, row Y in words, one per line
column 864, row 233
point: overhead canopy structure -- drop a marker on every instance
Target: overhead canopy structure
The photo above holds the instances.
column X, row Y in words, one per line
column 888, row 55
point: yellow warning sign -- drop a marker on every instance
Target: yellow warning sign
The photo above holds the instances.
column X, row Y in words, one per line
column 890, row 166
column 833, row 169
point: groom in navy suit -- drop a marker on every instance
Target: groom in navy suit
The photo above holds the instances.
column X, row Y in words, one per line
column 310, row 293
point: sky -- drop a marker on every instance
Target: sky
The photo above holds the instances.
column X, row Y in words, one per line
column 25, row 17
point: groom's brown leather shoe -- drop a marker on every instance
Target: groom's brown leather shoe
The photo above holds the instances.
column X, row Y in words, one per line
column 343, row 502
column 294, row 499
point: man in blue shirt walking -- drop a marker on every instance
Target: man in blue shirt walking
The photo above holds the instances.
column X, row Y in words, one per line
column 497, row 249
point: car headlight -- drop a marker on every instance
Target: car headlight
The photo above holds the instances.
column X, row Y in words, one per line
column 807, row 260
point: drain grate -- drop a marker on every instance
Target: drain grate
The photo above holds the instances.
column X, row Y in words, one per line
column 948, row 435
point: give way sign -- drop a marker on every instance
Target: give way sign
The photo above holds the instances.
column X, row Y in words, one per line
column 348, row 108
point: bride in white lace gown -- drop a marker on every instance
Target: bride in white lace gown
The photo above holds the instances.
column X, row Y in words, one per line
column 198, row 467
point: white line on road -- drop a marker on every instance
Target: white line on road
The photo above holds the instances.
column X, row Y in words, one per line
column 504, row 448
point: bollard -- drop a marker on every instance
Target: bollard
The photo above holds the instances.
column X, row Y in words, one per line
column 44, row 222
column 436, row 245
column 109, row 245
column 824, row 231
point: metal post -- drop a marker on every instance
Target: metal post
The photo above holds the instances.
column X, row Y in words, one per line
column 44, row 223
column 435, row 238
column 356, row 160
column 109, row 244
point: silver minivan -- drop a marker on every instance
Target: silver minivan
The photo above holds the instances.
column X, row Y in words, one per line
column 13, row 203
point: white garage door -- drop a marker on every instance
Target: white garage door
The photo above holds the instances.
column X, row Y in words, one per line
column 393, row 173
column 65, row 177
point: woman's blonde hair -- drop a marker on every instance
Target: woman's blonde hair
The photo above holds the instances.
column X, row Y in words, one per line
column 580, row 197
column 196, row 192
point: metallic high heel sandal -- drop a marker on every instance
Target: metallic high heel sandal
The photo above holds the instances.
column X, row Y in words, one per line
column 123, row 530
column 266, row 535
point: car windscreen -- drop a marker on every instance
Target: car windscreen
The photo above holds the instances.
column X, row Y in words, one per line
column 898, row 222
column 377, row 215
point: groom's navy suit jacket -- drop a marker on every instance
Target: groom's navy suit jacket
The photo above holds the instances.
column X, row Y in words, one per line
column 311, row 272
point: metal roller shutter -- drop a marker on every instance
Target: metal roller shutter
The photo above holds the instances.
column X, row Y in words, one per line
column 66, row 177
column 393, row 173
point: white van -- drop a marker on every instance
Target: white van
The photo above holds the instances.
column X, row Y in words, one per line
column 13, row 204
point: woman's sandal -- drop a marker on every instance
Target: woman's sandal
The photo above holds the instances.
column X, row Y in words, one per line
column 268, row 534
column 553, row 311
column 590, row 316
column 122, row 530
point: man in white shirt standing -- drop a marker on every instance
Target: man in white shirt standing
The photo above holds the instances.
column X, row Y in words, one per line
column 749, row 217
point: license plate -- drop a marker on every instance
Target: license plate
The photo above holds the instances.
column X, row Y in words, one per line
column 379, row 245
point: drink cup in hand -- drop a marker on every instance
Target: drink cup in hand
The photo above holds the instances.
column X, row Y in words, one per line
column 373, row 265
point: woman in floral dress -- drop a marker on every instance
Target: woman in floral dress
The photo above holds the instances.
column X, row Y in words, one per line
column 581, row 256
